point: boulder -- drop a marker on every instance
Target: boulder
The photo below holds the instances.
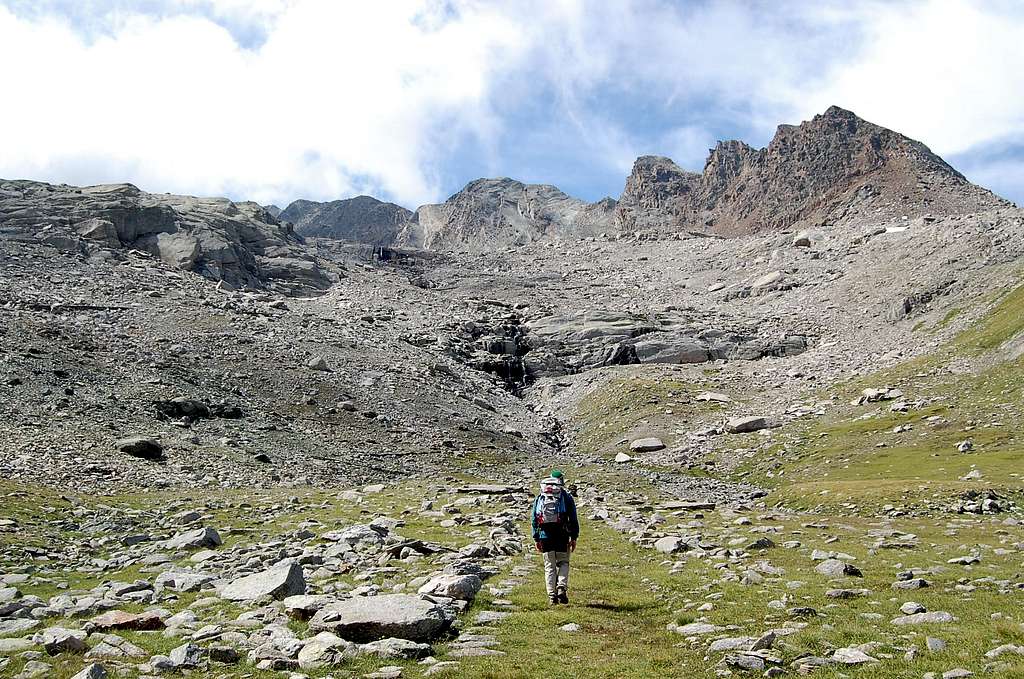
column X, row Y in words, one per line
column 365, row 619
column 141, row 447
column 395, row 649
column 319, row 363
column 462, row 587
column 622, row 457
column 326, row 650
column 93, row 671
column 122, row 620
column 194, row 539
column 646, row 445
column 743, row 425
column 671, row 544
column 281, row 580
column 932, row 618
column 57, row 640
column 834, row 568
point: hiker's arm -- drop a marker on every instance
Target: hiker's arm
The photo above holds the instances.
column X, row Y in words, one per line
column 533, row 521
column 574, row 523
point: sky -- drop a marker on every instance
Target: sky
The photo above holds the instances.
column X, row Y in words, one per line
column 408, row 100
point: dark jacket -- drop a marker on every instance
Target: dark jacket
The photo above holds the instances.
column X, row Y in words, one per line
column 555, row 538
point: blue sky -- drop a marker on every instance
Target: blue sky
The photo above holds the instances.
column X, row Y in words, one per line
column 408, row 100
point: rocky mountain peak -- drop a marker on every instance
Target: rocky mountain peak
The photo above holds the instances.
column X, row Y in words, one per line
column 831, row 167
column 362, row 219
column 501, row 212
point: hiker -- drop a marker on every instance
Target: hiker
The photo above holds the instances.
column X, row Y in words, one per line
column 555, row 529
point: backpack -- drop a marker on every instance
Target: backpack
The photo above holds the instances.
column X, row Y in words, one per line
column 550, row 505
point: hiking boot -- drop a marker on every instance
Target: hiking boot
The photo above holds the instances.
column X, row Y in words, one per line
column 554, row 599
column 562, row 596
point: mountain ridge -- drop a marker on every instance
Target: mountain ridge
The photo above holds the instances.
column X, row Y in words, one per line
column 829, row 168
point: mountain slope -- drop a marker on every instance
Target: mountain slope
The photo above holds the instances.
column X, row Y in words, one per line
column 240, row 244
column 362, row 219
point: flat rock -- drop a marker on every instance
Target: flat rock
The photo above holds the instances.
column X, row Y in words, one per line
column 366, row 619
column 931, row 618
column 280, row 581
column 834, row 568
column 326, row 649
column 646, row 445
column 194, row 539
column 743, row 425
column 122, row 620
column 462, row 587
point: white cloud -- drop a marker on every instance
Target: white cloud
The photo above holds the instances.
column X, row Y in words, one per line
column 340, row 97
column 275, row 99
column 948, row 73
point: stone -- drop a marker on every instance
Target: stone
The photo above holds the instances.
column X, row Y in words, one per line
column 851, row 656
column 932, row 618
column 195, row 539
column 319, row 363
column 743, row 425
column 462, row 587
column 802, row 240
column 570, row 627
column 912, row 583
column 646, row 445
column 768, row 280
column 33, row 668
column 113, row 646
column 280, row 581
column 187, row 656
column 366, row 619
column 935, row 645
column 12, row 646
column 671, row 544
column 305, row 606
column 395, row 649
column 141, row 447
column 92, row 671
column 912, row 607
column 834, row 568
column 694, row 629
column 713, row 397
column 443, row 667
column 326, row 649
column 621, row 457
column 122, row 620
column 57, row 640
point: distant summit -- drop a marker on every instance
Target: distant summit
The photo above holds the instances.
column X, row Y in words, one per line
column 494, row 213
column 362, row 219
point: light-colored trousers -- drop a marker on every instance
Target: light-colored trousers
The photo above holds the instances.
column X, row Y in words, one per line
column 556, row 571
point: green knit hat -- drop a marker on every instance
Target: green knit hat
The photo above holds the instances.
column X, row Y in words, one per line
column 557, row 473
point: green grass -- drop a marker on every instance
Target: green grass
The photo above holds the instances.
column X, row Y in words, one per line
column 625, row 407
column 623, row 598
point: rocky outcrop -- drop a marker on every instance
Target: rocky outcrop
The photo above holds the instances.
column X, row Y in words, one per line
column 497, row 213
column 241, row 244
column 831, row 167
column 362, row 219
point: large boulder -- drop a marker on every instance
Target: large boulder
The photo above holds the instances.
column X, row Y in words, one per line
column 57, row 640
column 462, row 587
column 365, row 619
column 743, row 425
column 280, row 581
column 123, row 620
column 326, row 650
column 194, row 539
column 142, row 447
column 646, row 445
